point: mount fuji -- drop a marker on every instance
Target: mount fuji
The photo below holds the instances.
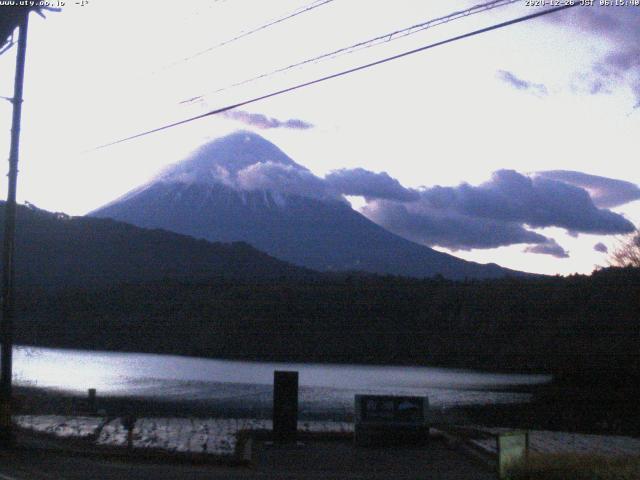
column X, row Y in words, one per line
column 243, row 188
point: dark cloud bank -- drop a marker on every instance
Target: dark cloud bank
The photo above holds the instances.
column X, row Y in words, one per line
column 499, row 212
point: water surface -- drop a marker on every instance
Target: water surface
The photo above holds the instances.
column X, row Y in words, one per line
column 322, row 386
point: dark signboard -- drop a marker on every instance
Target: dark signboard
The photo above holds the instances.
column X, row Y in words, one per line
column 285, row 405
column 391, row 420
column 379, row 408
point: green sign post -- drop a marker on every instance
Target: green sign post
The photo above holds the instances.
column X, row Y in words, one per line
column 513, row 447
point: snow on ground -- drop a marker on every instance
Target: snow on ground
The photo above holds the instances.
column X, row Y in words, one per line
column 61, row 426
column 219, row 435
column 547, row 442
column 213, row 435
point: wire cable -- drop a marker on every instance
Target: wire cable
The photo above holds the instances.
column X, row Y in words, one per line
column 387, row 37
column 344, row 72
column 7, row 47
column 295, row 13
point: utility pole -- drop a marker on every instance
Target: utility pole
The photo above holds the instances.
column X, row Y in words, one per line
column 8, row 298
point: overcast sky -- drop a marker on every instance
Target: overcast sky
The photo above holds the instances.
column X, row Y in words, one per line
column 518, row 146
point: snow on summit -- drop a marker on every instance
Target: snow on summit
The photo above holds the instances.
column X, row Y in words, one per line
column 245, row 162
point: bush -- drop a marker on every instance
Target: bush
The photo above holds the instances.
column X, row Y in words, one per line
column 577, row 467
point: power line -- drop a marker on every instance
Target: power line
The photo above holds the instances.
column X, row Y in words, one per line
column 270, row 23
column 345, row 72
column 385, row 38
column 7, row 47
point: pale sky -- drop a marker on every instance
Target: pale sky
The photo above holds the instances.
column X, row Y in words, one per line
column 555, row 93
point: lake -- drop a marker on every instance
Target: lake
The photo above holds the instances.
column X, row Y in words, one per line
column 323, row 387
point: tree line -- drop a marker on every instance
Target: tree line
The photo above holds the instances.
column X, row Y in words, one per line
column 579, row 327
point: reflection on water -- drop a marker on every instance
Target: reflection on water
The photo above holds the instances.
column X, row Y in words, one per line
column 187, row 378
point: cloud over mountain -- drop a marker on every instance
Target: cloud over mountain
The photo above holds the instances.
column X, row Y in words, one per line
column 281, row 178
column 244, row 161
column 261, row 121
column 371, row 185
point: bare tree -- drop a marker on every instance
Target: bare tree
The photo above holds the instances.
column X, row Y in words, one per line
column 627, row 253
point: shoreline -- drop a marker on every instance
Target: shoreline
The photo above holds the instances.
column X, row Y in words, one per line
column 550, row 408
column 43, row 401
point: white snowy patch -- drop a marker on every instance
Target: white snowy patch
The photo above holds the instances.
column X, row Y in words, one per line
column 219, row 436
column 214, row 435
column 61, row 426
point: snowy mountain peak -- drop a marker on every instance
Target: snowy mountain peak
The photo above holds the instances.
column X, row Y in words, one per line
column 224, row 159
column 244, row 188
column 246, row 162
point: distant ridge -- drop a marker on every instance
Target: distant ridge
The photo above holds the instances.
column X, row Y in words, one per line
column 56, row 250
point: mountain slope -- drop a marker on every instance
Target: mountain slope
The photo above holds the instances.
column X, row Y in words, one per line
column 54, row 249
column 243, row 188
